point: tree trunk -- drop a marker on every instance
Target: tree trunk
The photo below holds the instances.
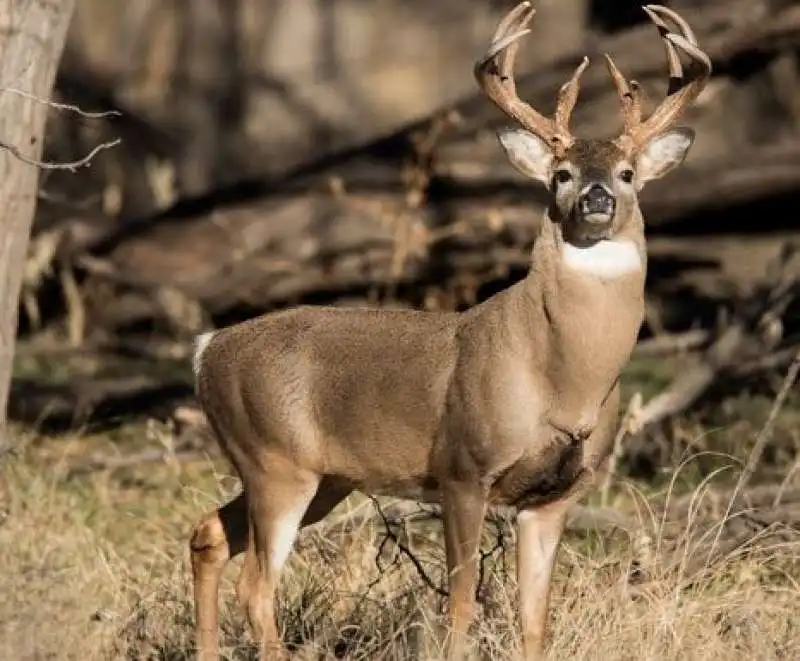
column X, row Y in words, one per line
column 33, row 34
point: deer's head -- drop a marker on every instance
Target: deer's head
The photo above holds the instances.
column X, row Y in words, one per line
column 594, row 183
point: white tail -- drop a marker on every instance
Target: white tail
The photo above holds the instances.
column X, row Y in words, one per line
column 512, row 402
column 200, row 345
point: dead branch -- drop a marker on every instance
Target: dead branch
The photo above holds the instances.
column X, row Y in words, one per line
column 629, row 423
column 92, row 401
column 391, row 536
column 68, row 107
column 712, row 502
column 765, row 435
column 754, row 331
column 102, row 462
column 72, row 166
column 687, row 388
column 581, row 518
column 672, row 343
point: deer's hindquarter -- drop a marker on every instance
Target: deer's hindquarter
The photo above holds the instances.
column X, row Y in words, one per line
column 353, row 395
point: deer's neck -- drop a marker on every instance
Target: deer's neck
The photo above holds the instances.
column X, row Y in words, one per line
column 582, row 308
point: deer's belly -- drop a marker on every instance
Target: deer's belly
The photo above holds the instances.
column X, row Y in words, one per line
column 422, row 491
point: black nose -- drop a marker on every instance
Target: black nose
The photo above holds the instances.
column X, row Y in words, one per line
column 597, row 200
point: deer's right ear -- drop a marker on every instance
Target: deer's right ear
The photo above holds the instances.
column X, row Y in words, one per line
column 528, row 153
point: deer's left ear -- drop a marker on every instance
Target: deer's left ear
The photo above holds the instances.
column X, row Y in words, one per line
column 662, row 154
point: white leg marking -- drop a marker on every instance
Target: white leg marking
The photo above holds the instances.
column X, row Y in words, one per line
column 283, row 534
column 201, row 343
column 542, row 540
column 538, row 535
column 604, row 259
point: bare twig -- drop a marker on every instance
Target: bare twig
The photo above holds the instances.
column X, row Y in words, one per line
column 782, row 487
column 672, row 343
column 60, row 106
column 763, row 438
column 499, row 545
column 76, row 311
column 629, row 423
column 765, row 435
column 72, row 166
column 392, row 536
column 762, row 496
column 581, row 518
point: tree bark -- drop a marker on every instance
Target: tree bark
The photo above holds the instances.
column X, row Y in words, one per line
column 33, row 34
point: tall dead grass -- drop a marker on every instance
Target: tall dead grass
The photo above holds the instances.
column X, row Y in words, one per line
column 95, row 567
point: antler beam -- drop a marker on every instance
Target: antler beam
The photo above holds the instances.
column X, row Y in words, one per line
column 495, row 75
column 680, row 91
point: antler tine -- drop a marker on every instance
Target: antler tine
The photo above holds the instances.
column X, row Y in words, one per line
column 516, row 17
column 568, row 96
column 671, row 14
column 629, row 96
column 673, row 59
column 503, row 48
column 636, row 103
column 495, row 75
column 680, row 93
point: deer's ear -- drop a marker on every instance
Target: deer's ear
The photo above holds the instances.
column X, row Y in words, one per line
column 662, row 154
column 528, row 153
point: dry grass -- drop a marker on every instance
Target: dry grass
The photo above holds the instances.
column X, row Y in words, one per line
column 95, row 567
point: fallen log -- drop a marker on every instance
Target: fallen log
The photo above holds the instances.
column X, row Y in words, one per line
column 281, row 251
column 93, row 403
column 744, row 348
column 754, row 332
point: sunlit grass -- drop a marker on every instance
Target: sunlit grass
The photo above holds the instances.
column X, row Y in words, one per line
column 95, row 566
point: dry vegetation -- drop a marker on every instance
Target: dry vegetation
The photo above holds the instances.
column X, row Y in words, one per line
column 94, row 563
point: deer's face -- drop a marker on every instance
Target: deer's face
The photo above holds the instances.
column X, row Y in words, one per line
column 594, row 185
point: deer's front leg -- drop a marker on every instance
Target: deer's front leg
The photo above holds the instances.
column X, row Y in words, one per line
column 538, row 536
column 464, row 508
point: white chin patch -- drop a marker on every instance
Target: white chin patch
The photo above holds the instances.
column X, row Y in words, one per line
column 597, row 218
column 604, row 259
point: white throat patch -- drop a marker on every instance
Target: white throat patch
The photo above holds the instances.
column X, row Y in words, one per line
column 605, row 259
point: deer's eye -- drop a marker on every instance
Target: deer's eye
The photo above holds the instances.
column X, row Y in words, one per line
column 563, row 176
column 626, row 176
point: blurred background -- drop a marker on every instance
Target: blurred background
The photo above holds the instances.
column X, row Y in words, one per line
column 337, row 151
column 279, row 152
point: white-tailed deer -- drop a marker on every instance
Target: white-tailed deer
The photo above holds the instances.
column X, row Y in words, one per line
column 512, row 402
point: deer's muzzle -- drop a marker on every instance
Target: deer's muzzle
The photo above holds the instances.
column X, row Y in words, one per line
column 596, row 203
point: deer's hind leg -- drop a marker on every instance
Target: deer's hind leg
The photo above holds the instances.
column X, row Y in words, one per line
column 328, row 495
column 219, row 536
column 280, row 500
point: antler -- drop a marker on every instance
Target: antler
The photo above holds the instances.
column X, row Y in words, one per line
column 495, row 76
column 680, row 93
